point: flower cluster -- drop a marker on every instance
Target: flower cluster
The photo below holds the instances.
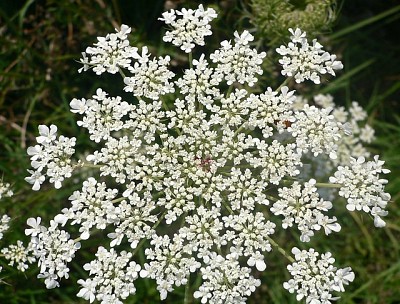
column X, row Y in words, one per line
column 5, row 190
column 151, row 77
column 304, row 61
column 304, row 207
column 315, row 130
column 4, row 224
column 91, row 207
column 112, row 274
column 315, row 278
column 190, row 29
column 53, row 249
column 353, row 134
column 363, row 188
column 170, row 263
column 225, row 281
column 191, row 176
column 110, row 53
column 51, row 157
column 102, row 114
column 19, row 255
column 238, row 62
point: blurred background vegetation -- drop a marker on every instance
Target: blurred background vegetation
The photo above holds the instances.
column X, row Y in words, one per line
column 40, row 42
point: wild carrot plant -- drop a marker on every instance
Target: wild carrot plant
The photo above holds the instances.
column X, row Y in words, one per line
column 201, row 184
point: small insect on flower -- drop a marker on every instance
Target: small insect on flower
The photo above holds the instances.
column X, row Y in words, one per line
column 286, row 123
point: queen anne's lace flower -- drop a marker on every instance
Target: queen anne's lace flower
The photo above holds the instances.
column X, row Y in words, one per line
column 170, row 263
column 4, row 224
column 305, row 61
column 200, row 82
column 225, row 281
column 51, row 158
column 238, row 62
column 102, row 114
column 53, row 249
column 314, row 277
column 190, row 29
column 151, row 77
column 275, row 160
column 353, row 129
column 110, row 53
column 303, row 206
column 271, row 109
column 362, row 187
column 316, row 130
column 18, row 254
column 249, row 234
column 113, row 275
column 5, row 190
column 189, row 175
column 91, row 207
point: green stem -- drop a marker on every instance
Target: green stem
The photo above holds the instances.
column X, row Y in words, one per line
column 272, row 198
column 122, row 73
column 117, row 200
column 281, row 250
column 287, row 80
column 187, row 291
column 229, row 91
column 328, row 185
column 154, row 227
column 190, row 60
column 86, row 165
column 78, row 239
column 228, row 207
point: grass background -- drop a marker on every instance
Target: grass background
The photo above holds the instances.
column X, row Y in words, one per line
column 40, row 42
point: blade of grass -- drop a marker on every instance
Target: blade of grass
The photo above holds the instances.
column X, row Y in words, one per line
column 22, row 12
column 341, row 81
column 365, row 22
column 381, row 276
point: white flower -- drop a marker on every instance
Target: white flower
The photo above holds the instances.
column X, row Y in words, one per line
column 36, row 227
column 19, row 255
column 362, row 187
column 47, row 135
column 110, row 53
column 238, row 62
column 36, row 179
column 170, row 271
column 303, row 206
column 91, row 207
column 367, row 134
column 316, row 130
column 314, row 277
column 88, row 290
column 225, row 281
column 102, row 114
column 190, row 29
column 4, row 224
column 113, row 275
column 199, row 82
column 275, row 161
column 192, row 172
column 51, row 158
column 150, row 78
column 53, row 249
column 305, row 61
column 357, row 112
column 5, row 190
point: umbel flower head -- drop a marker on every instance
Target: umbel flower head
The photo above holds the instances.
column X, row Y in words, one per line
column 196, row 171
column 304, row 61
column 314, row 277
